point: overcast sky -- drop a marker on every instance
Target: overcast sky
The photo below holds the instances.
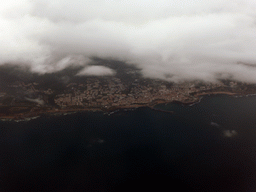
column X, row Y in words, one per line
column 168, row 39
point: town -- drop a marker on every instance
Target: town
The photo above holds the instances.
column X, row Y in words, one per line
column 114, row 93
column 111, row 92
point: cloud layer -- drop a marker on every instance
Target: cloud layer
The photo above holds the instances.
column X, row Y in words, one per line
column 169, row 39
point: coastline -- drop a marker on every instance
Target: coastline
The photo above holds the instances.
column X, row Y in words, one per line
column 56, row 112
column 217, row 93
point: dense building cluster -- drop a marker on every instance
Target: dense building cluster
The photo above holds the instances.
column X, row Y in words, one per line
column 107, row 93
column 115, row 93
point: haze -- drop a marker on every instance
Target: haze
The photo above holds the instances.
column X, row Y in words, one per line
column 168, row 39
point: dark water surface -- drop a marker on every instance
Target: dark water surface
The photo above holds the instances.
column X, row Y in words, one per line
column 210, row 146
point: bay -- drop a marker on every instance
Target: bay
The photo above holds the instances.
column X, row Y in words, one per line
column 208, row 146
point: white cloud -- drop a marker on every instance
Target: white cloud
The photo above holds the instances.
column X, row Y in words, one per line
column 229, row 133
column 38, row 101
column 214, row 124
column 96, row 71
column 180, row 40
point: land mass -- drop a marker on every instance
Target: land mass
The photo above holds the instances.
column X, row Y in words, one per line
column 25, row 96
column 95, row 96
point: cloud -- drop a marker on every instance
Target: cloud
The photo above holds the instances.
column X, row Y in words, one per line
column 96, row 71
column 167, row 39
column 68, row 61
column 214, row 124
column 229, row 133
column 38, row 101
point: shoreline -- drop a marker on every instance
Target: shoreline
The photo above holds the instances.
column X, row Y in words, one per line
column 217, row 93
column 56, row 112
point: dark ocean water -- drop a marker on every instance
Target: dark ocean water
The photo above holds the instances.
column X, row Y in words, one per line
column 210, row 146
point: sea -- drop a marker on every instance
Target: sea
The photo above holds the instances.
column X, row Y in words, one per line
column 207, row 146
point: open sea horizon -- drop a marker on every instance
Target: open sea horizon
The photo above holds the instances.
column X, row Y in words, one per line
column 209, row 146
